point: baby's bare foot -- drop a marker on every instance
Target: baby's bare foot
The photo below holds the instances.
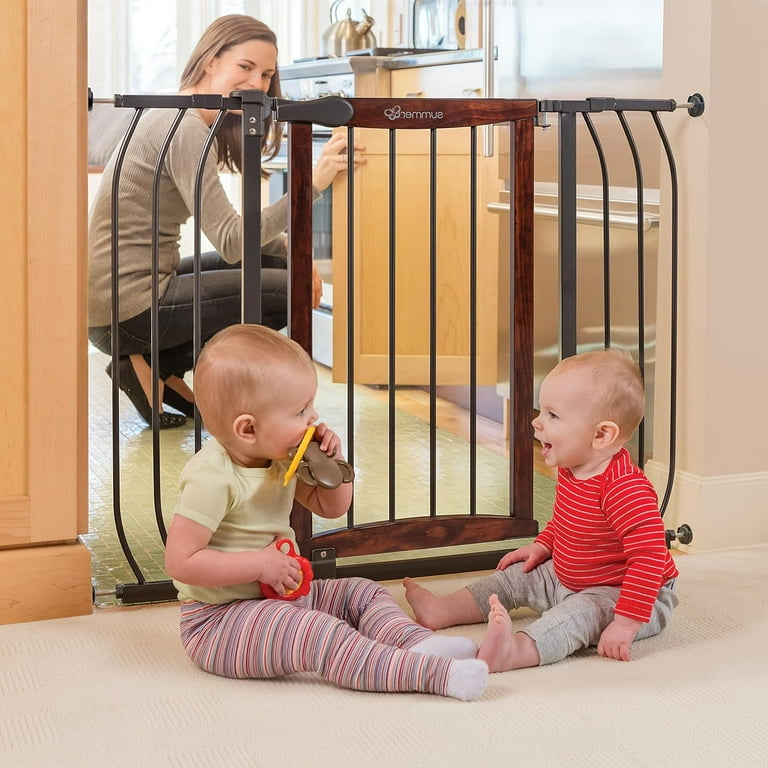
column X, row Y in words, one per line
column 496, row 649
column 423, row 602
column 439, row 611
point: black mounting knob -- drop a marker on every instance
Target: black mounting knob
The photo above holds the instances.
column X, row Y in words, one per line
column 695, row 105
column 684, row 534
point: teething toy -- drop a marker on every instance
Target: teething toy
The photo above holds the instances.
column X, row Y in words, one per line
column 306, row 574
column 315, row 467
column 298, row 455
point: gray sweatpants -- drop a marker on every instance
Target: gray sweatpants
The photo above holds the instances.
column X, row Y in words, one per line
column 569, row 620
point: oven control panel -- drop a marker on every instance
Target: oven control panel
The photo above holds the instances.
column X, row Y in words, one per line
column 302, row 88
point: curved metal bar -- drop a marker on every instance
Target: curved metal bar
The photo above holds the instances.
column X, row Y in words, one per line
column 640, row 273
column 673, row 314
column 196, row 297
column 606, row 229
column 115, row 342
column 155, row 331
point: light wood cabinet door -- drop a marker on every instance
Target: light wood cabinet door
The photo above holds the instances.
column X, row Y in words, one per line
column 44, row 571
column 392, row 261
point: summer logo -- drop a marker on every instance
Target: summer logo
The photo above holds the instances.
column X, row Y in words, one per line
column 398, row 113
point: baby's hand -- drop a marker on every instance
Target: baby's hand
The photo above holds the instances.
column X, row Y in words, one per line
column 282, row 572
column 617, row 638
column 330, row 442
column 530, row 555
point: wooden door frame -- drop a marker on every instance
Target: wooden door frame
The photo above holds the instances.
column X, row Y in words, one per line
column 44, row 570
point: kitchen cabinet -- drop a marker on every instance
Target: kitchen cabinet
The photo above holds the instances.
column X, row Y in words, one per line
column 412, row 246
column 45, row 572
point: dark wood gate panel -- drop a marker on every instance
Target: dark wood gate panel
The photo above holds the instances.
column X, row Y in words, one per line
column 431, row 530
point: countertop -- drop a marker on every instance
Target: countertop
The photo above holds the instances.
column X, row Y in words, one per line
column 357, row 64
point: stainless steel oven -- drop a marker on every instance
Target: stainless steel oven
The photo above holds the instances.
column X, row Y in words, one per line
column 322, row 318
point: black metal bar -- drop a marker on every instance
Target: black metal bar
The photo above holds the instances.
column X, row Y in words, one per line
column 673, row 311
column 392, row 330
column 512, row 318
column 254, row 104
column 115, row 348
column 606, row 230
column 432, row 322
column 351, row 313
column 192, row 101
column 473, row 321
column 607, row 103
column 640, row 273
column 196, row 297
column 155, row 325
column 567, row 233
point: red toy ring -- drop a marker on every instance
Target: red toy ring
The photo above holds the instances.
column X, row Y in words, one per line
column 306, row 574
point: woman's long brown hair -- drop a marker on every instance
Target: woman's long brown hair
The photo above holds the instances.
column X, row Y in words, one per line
column 224, row 33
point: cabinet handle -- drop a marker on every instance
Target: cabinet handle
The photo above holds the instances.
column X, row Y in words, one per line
column 615, row 220
column 469, row 92
column 415, row 95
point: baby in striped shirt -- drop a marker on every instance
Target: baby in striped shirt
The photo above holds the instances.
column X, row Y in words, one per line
column 256, row 389
column 599, row 573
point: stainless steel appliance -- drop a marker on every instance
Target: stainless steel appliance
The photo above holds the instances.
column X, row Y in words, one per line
column 557, row 49
column 347, row 34
column 434, row 24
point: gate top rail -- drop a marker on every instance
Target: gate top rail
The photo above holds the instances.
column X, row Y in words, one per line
column 418, row 113
column 694, row 105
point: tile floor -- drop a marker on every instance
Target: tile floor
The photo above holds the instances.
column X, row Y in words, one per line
column 143, row 501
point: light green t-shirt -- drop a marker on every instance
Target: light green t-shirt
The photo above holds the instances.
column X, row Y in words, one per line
column 244, row 508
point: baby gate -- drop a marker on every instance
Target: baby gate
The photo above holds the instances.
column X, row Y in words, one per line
column 369, row 547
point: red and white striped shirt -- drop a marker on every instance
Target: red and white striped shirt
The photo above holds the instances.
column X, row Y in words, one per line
column 607, row 530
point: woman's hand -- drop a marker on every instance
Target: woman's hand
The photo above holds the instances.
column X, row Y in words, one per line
column 317, row 287
column 333, row 159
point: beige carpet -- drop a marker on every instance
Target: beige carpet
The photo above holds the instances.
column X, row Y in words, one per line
column 115, row 689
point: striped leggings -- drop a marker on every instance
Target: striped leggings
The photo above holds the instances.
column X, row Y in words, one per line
column 350, row 631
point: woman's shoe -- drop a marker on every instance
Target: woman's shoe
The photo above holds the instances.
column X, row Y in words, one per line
column 175, row 400
column 129, row 383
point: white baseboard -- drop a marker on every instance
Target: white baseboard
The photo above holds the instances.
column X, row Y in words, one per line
column 725, row 512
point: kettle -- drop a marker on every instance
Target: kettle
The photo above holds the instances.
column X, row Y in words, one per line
column 347, row 35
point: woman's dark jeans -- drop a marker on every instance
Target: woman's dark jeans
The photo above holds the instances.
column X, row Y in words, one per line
column 220, row 292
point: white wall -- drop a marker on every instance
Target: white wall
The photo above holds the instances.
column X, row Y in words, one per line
column 719, row 48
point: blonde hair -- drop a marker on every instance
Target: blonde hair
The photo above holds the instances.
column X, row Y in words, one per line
column 236, row 373
column 224, row 33
column 616, row 383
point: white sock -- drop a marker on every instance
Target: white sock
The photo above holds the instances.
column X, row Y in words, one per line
column 445, row 645
column 467, row 679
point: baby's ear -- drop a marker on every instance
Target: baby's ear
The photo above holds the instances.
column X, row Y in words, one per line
column 244, row 427
column 606, row 434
